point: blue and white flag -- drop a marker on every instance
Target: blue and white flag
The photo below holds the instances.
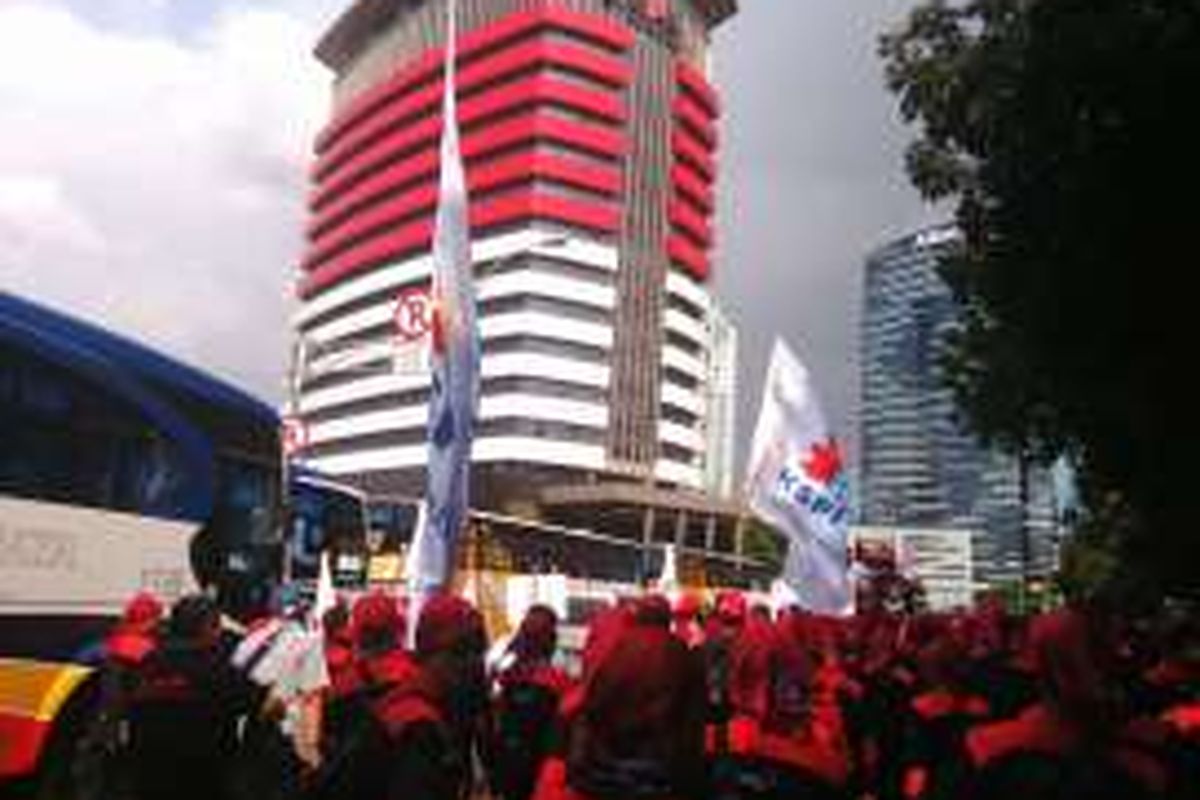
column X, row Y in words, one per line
column 797, row 483
column 454, row 359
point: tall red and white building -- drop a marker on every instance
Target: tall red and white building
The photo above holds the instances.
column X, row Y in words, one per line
column 590, row 135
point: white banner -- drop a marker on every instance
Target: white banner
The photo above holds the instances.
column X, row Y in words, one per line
column 796, row 481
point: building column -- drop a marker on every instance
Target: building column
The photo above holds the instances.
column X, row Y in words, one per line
column 681, row 526
column 739, row 540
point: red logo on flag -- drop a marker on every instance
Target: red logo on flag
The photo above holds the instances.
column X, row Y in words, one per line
column 824, row 461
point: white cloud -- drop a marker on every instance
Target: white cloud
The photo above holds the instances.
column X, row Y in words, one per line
column 157, row 185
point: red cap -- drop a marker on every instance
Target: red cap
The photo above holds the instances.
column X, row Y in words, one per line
column 143, row 611
column 447, row 623
column 376, row 613
column 731, row 607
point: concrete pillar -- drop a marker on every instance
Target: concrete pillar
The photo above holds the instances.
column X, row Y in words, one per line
column 710, row 533
column 681, row 526
column 647, row 539
column 648, row 526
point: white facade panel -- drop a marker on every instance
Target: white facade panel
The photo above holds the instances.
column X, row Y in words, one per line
column 675, row 395
column 575, row 249
column 523, row 406
column 689, row 289
column 676, row 472
column 402, row 418
column 546, row 367
column 530, row 282
column 361, row 389
column 685, row 326
column 547, row 326
column 500, row 365
column 509, row 284
column 687, row 364
column 486, row 450
column 681, row 436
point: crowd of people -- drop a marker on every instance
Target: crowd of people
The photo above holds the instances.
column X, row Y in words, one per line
column 669, row 702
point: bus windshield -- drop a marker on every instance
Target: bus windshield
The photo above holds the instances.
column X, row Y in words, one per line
column 326, row 517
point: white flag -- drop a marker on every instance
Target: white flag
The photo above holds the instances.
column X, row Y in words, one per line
column 668, row 580
column 797, row 483
column 326, row 593
column 418, row 589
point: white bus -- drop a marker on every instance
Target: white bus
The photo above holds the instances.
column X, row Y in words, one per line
column 122, row 470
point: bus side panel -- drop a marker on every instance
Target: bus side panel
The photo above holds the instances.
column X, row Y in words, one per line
column 31, row 696
column 60, row 560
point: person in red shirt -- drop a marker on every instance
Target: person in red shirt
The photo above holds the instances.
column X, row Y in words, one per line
column 366, row 662
column 939, row 717
column 410, row 734
column 185, row 709
column 1075, row 742
column 785, row 736
column 636, row 731
column 126, row 647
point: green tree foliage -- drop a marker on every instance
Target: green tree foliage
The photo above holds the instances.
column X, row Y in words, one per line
column 1065, row 133
column 763, row 543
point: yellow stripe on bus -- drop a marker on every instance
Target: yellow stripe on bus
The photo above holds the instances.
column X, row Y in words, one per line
column 35, row 689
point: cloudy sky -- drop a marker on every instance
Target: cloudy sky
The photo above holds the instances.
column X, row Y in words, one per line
column 152, row 155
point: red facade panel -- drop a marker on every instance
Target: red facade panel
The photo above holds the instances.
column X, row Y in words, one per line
column 599, row 140
column 591, row 28
column 422, row 198
column 697, row 86
column 692, row 187
column 418, row 168
column 688, row 113
column 517, row 207
column 691, row 258
column 690, row 150
column 693, row 143
column 416, row 108
column 423, row 171
column 693, row 224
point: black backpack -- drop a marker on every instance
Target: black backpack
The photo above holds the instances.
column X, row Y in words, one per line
column 525, row 731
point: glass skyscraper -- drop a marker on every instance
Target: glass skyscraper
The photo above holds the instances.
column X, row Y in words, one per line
column 920, row 465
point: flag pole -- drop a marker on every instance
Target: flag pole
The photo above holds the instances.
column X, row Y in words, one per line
column 454, row 363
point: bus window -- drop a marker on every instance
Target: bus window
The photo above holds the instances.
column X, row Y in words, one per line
column 69, row 442
column 392, row 523
column 247, row 499
column 247, row 558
